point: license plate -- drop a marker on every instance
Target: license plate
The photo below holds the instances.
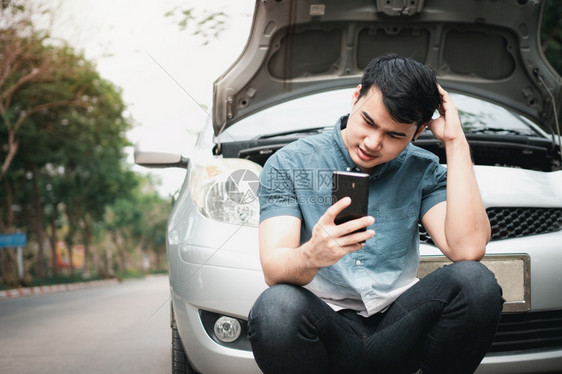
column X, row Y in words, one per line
column 512, row 272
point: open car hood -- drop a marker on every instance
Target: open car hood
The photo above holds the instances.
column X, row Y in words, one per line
column 487, row 49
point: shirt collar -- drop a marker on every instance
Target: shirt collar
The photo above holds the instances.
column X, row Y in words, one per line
column 346, row 161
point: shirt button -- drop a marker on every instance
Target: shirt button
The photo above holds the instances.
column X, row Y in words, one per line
column 348, row 169
column 358, row 263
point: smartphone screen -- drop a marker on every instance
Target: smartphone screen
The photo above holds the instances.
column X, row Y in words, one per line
column 356, row 186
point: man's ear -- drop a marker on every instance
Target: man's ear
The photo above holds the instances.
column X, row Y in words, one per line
column 419, row 131
column 355, row 95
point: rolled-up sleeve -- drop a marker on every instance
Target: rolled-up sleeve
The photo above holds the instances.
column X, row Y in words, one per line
column 434, row 190
column 276, row 191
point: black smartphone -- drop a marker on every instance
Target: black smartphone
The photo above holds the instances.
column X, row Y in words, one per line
column 356, row 186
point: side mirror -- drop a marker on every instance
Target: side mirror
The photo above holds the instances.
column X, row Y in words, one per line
column 156, row 159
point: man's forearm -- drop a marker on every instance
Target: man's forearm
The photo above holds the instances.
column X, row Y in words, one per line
column 467, row 228
column 288, row 265
column 285, row 261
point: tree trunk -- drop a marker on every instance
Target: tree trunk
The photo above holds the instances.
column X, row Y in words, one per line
column 70, row 250
column 39, row 220
column 7, row 263
column 53, row 241
column 87, row 237
column 73, row 227
column 12, row 147
column 7, row 222
column 69, row 240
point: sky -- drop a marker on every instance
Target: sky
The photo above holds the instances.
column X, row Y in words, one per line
column 165, row 73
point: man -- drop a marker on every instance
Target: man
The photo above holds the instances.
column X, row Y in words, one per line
column 342, row 300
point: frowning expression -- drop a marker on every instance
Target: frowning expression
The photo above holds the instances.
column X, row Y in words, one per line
column 372, row 137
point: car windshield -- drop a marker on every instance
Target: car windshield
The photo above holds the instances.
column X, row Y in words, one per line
column 480, row 116
column 323, row 109
column 312, row 111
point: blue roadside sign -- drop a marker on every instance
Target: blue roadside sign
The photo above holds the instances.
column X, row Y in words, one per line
column 13, row 240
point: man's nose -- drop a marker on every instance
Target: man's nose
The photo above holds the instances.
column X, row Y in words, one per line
column 373, row 141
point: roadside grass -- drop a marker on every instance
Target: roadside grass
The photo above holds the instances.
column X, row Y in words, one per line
column 79, row 277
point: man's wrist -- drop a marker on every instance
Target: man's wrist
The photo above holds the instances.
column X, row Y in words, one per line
column 306, row 261
column 457, row 143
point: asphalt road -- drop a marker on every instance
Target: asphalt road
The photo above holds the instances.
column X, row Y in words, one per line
column 120, row 328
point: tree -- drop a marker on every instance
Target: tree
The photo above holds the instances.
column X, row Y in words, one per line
column 28, row 70
column 94, row 171
column 138, row 222
column 203, row 23
column 62, row 127
column 62, row 142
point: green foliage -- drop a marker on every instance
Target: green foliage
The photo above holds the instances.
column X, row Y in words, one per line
column 61, row 279
column 62, row 158
column 130, row 274
column 203, row 23
column 36, row 82
column 138, row 220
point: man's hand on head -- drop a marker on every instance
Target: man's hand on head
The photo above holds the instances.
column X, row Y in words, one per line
column 447, row 127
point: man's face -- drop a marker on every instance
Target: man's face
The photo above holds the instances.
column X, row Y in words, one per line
column 372, row 137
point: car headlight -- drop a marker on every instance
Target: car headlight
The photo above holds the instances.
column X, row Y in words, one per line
column 225, row 189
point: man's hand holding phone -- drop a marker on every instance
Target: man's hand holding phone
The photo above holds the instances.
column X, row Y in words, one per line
column 356, row 186
column 331, row 241
column 343, row 227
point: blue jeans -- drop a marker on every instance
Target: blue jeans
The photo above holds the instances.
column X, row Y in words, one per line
column 445, row 323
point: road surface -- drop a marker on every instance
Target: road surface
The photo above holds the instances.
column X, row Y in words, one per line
column 119, row 328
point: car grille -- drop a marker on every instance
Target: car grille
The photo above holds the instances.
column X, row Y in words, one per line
column 528, row 332
column 516, row 222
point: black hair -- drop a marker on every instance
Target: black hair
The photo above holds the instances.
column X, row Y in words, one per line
column 408, row 87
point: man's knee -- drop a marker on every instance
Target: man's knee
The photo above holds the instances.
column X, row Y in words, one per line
column 478, row 284
column 278, row 308
column 283, row 332
column 476, row 276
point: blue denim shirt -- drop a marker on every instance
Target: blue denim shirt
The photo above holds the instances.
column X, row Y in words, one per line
column 297, row 181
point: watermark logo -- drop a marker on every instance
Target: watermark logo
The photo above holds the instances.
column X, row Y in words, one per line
column 242, row 186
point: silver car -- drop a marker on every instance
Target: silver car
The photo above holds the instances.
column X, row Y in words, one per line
column 294, row 79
